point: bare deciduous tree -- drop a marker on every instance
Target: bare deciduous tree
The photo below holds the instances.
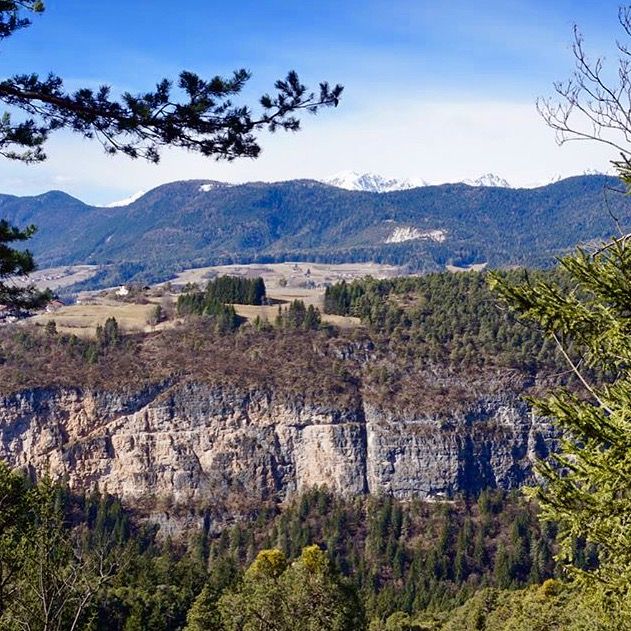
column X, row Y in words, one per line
column 595, row 102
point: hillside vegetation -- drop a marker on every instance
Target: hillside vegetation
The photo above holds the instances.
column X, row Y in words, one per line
column 319, row 561
column 305, row 220
column 378, row 564
column 416, row 330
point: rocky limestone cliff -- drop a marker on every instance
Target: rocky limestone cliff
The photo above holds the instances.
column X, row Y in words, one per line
column 191, row 443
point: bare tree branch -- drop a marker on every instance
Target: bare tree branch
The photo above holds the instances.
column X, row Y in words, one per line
column 595, row 104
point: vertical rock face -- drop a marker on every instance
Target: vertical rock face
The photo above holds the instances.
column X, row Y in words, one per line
column 493, row 445
column 191, row 442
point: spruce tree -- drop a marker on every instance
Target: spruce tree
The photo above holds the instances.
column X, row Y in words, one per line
column 586, row 486
column 16, row 264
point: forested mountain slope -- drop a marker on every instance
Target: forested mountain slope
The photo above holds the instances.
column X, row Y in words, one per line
column 195, row 223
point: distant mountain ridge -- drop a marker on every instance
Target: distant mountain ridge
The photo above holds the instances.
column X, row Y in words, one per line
column 374, row 183
column 201, row 222
column 489, row 179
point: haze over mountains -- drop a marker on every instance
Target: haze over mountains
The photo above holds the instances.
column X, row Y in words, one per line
column 200, row 222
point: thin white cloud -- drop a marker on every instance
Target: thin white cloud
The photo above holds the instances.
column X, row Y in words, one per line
column 435, row 141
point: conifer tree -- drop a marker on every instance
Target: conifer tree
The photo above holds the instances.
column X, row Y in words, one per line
column 16, row 264
column 587, row 485
column 277, row 596
column 198, row 115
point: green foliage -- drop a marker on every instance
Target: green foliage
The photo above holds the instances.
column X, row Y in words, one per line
column 445, row 322
column 50, row 575
column 381, row 556
column 236, row 289
column 342, row 298
column 156, row 315
column 204, row 614
column 205, row 118
column 552, row 606
column 401, row 556
column 446, row 318
column 587, row 487
column 223, row 318
column 299, row 317
column 15, row 523
column 212, row 302
column 109, row 338
column 17, row 263
column 306, row 594
column 108, row 335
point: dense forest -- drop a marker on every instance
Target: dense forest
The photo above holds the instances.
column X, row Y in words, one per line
column 215, row 301
column 447, row 318
column 338, row 563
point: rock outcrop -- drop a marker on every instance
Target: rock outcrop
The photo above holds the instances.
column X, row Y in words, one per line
column 190, row 443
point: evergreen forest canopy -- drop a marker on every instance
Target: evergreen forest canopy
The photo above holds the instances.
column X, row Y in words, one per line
column 216, row 301
column 222, row 290
column 321, row 562
column 447, row 318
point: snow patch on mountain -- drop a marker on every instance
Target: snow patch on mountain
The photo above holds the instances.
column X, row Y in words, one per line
column 206, row 188
column 211, row 186
column 371, row 182
column 409, row 233
column 127, row 201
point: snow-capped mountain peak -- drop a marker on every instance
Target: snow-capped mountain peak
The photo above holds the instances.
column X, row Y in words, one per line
column 374, row 183
column 488, row 179
column 371, row 182
column 126, row 201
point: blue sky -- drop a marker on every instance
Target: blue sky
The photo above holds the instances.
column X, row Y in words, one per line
column 435, row 90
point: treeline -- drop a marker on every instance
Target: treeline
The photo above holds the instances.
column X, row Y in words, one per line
column 446, row 318
column 236, row 289
column 298, row 316
column 339, row 562
column 223, row 317
column 215, row 302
